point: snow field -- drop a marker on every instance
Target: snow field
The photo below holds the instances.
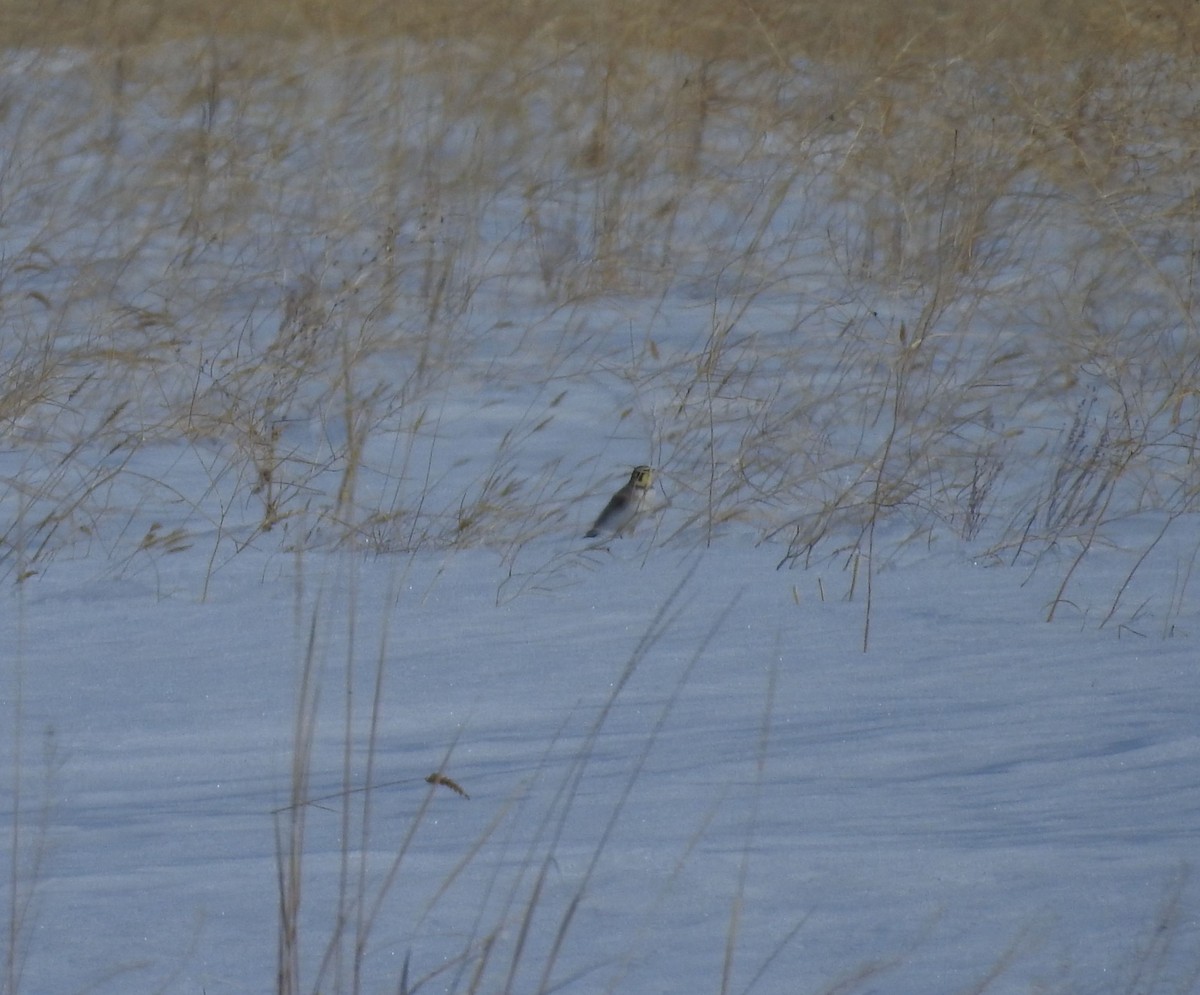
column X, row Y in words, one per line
column 314, row 374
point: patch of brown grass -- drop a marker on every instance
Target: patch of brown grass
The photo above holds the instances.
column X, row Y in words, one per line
column 868, row 31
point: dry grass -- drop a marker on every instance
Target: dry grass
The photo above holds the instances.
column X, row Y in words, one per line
column 516, row 931
column 267, row 234
column 778, row 30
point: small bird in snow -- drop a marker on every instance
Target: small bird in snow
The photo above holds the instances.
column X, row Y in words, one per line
column 623, row 506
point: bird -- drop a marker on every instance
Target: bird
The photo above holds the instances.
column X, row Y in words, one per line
column 623, row 506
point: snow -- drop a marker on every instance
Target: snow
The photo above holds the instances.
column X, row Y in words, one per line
column 971, row 783
column 676, row 750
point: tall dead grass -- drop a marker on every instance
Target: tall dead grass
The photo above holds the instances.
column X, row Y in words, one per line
column 311, row 244
column 516, row 926
column 780, row 30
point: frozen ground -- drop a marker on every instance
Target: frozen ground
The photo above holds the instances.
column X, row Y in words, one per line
column 681, row 763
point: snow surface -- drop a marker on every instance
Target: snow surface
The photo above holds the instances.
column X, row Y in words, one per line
column 722, row 790
column 973, row 784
